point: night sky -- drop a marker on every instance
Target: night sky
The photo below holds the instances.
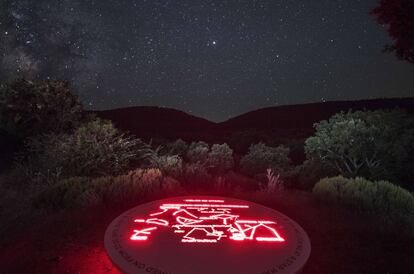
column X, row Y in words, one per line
column 214, row 59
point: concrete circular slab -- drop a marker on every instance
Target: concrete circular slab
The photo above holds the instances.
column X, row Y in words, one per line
column 205, row 235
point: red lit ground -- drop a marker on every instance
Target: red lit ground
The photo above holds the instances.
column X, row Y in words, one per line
column 72, row 242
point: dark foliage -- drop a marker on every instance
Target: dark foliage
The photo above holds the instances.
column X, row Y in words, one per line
column 398, row 15
column 30, row 108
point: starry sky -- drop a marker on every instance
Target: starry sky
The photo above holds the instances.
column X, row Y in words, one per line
column 214, row 59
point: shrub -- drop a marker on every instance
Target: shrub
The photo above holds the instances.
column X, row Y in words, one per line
column 179, row 147
column 242, row 140
column 171, row 165
column 220, row 159
column 373, row 144
column 261, row 157
column 389, row 202
column 197, row 152
column 94, row 149
column 196, row 174
column 81, row 192
column 310, row 172
column 30, row 108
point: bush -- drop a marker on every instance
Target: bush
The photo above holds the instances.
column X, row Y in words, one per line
column 197, row 152
column 373, row 144
column 179, row 147
column 242, row 140
column 30, row 108
column 171, row 165
column 261, row 157
column 94, row 149
column 196, row 174
column 389, row 202
column 310, row 172
column 220, row 159
column 82, row 192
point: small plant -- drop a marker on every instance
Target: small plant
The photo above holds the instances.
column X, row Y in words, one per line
column 274, row 183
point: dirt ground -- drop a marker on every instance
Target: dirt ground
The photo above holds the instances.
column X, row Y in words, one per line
column 72, row 241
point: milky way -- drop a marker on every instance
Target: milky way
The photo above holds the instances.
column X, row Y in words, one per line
column 215, row 59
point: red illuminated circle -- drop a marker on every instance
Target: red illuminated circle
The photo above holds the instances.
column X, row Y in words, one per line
column 204, row 235
column 205, row 221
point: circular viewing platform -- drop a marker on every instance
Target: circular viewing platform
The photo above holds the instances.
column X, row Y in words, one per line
column 204, row 235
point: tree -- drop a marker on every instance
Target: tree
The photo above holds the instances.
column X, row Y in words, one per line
column 29, row 108
column 375, row 144
column 261, row 157
column 399, row 16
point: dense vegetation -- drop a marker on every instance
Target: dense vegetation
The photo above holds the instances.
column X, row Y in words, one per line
column 71, row 159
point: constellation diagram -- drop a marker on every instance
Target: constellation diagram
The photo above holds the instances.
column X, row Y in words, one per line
column 205, row 221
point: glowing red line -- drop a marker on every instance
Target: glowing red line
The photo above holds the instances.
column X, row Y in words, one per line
column 137, row 237
column 185, row 211
column 265, row 239
column 254, row 222
column 186, row 222
column 228, row 225
column 204, row 205
column 203, row 201
column 157, row 222
column 158, row 213
column 139, row 221
column 185, row 225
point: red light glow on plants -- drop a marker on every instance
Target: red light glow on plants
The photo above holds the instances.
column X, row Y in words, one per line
column 206, row 221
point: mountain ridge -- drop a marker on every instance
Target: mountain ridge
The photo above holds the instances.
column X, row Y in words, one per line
column 150, row 122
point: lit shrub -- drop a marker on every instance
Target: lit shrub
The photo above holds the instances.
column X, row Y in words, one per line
column 331, row 189
column 94, row 149
column 196, row 174
column 391, row 203
column 373, row 144
column 81, row 192
column 130, row 188
column 220, row 158
column 261, row 157
column 171, row 165
column 197, row 152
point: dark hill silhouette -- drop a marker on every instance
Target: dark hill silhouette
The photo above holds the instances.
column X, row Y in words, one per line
column 305, row 115
column 289, row 125
column 285, row 120
column 156, row 122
